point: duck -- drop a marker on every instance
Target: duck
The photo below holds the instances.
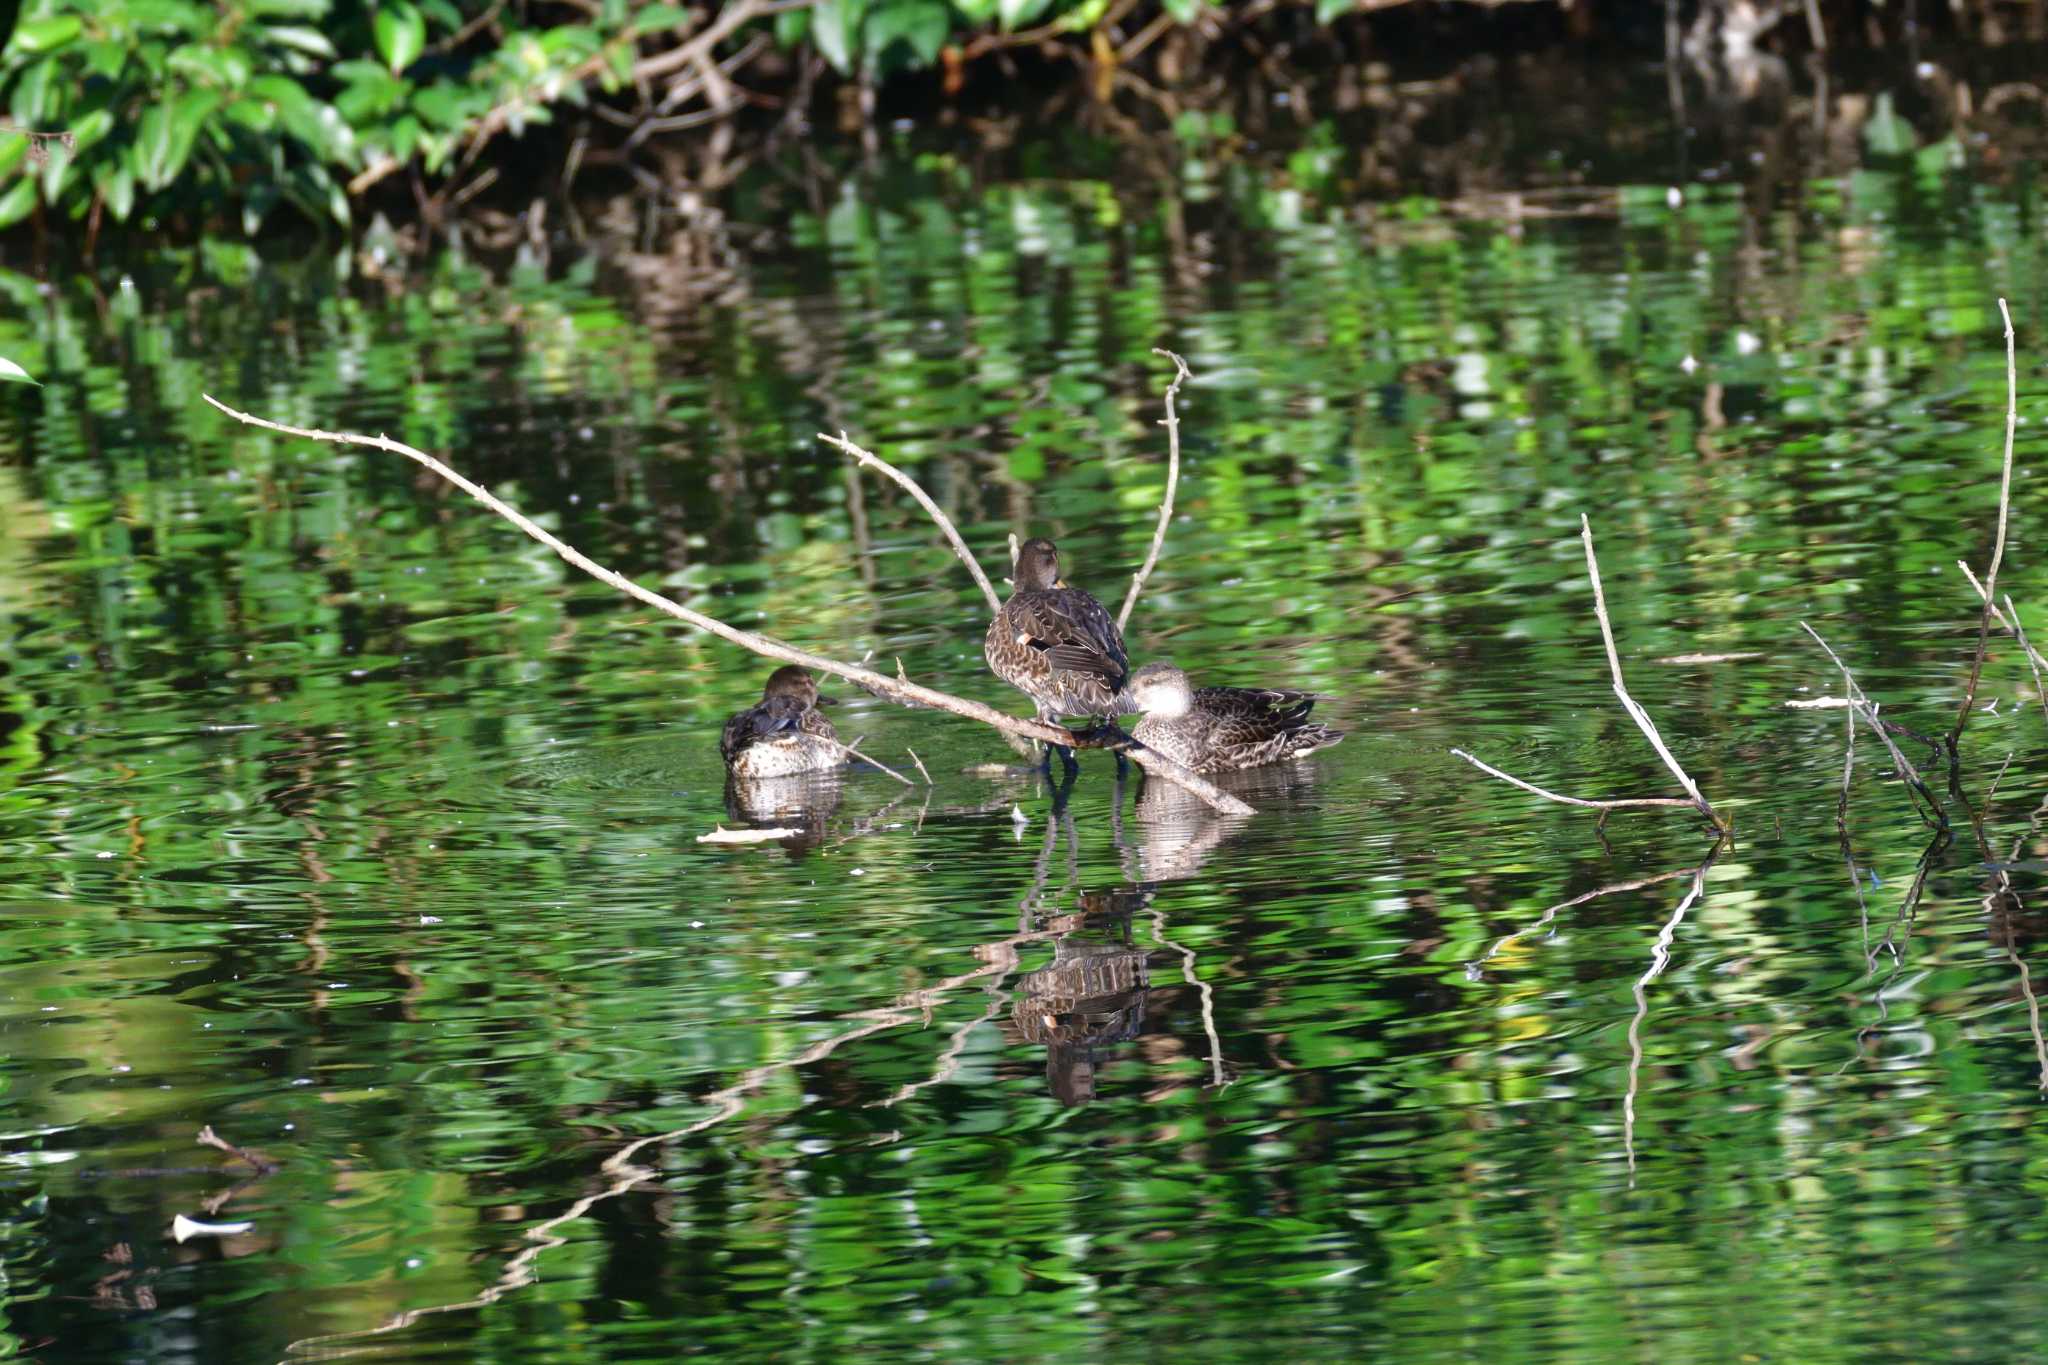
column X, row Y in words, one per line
column 1056, row 644
column 783, row 733
column 1221, row 729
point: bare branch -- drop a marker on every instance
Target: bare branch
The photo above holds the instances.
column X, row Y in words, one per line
column 1990, row 586
column 852, row 748
column 924, row 500
column 894, row 689
column 1492, row 771
column 1629, row 704
column 1172, row 425
column 2033, row 659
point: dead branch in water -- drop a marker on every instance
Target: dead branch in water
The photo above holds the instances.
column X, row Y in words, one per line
column 916, row 490
column 1989, row 589
column 1172, row 425
column 1860, row 706
column 1660, row 958
column 895, row 689
column 1636, row 713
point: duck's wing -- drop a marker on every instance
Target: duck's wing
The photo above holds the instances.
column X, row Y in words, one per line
column 771, row 718
column 1074, row 632
column 1278, row 706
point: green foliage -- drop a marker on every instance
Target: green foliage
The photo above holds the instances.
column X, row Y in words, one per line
column 181, row 107
column 224, row 112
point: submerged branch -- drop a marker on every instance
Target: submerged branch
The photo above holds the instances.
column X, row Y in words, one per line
column 894, row 689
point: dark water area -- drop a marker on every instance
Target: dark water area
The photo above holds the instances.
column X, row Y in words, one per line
column 342, row 820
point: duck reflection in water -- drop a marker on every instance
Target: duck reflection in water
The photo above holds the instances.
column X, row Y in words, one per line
column 1094, row 993
column 804, row 802
column 1090, row 996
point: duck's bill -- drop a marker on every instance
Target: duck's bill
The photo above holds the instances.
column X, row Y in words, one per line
column 824, row 700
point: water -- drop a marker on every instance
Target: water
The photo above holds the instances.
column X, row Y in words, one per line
column 341, row 820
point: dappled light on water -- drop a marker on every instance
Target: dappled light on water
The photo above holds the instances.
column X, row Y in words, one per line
column 350, row 826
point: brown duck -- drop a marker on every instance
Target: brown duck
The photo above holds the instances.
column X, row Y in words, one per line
column 1216, row 729
column 1056, row 644
column 783, row 733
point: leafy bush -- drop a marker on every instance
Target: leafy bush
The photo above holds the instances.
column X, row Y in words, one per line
column 238, row 106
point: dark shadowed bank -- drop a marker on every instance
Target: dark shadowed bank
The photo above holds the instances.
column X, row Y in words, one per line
column 256, row 116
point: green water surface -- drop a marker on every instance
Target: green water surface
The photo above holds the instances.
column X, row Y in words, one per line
column 341, row 819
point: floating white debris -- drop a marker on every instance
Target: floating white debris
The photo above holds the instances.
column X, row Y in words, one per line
column 1674, row 197
column 185, row 1229
column 1689, row 364
column 721, row 835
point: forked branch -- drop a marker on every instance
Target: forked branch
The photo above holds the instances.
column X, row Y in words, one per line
column 1172, row 425
column 1636, row 713
column 895, row 689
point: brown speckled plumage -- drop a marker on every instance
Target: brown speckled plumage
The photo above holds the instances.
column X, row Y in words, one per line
column 783, row 733
column 1216, row 729
column 1056, row 644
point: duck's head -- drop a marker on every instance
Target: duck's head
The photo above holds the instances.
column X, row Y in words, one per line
column 1160, row 689
column 1038, row 566
column 794, row 680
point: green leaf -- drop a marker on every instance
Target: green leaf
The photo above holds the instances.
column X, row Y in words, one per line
column 1886, row 134
column 659, row 18
column 17, row 203
column 226, row 67
column 36, row 94
column 47, row 35
column 1016, row 14
column 920, row 24
column 1184, row 11
column 116, row 184
column 792, row 26
column 288, row 9
column 1326, row 10
column 835, row 26
column 14, row 374
column 164, row 136
column 310, row 40
column 89, row 128
column 401, row 33
column 976, row 11
column 105, row 59
column 173, row 16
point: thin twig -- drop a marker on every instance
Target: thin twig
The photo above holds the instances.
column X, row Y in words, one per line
column 1492, row 771
column 1629, row 704
column 2033, row 659
column 1473, row 968
column 2034, row 656
column 920, row 766
column 852, row 747
column 1172, row 425
column 894, row 689
column 1203, row 990
column 1660, row 958
column 1860, row 705
column 1990, row 589
column 924, row 500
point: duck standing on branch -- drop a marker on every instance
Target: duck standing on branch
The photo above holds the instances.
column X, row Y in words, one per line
column 1216, row 729
column 783, row 733
column 1056, row 644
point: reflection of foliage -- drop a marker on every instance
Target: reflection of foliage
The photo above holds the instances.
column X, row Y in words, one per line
column 357, row 826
